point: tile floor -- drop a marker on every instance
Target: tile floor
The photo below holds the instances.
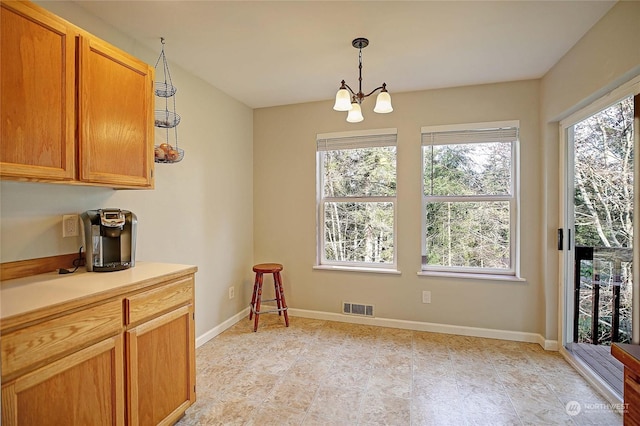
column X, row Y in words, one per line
column 330, row 373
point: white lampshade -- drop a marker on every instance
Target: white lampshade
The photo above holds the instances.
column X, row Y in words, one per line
column 355, row 113
column 343, row 100
column 383, row 103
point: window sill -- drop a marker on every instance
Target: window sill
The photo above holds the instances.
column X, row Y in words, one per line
column 464, row 275
column 357, row 269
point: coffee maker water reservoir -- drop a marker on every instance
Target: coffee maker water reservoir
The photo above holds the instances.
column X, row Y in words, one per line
column 110, row 239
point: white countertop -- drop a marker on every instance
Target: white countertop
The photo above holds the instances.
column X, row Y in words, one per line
column 28, row 294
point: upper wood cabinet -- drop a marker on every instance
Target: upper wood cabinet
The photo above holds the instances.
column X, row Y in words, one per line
column 115, row 116
column 74, row 108
column 37, row 95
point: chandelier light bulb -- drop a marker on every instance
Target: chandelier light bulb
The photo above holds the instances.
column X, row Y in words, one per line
column 383, row 103
column 343, row 100
column 355, row 113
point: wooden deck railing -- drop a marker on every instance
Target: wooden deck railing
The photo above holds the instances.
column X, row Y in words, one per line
column 614, row 258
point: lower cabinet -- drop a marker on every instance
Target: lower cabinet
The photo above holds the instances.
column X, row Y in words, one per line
column 161, row 360
column 84, row 388
column 629, row 355
column 129, row 360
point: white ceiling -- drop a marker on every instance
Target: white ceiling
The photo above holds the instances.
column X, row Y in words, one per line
column 267, row 53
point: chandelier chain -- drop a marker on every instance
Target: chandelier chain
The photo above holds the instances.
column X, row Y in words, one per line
column 360, row 95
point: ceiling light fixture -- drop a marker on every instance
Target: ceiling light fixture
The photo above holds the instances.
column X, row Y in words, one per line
column 348, row 100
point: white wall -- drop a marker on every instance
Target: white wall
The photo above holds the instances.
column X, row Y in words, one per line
column 200, row 212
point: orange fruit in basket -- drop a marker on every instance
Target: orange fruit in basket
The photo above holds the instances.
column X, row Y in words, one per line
column 173, row 155
column 159, row 153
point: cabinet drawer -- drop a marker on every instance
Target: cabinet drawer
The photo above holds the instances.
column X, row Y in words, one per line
column 47, row 341
column 157, row 301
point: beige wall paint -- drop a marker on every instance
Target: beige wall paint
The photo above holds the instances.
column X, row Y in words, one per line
column 607, row 56
column 200, row 212
column 285, row 217
column 207, row 201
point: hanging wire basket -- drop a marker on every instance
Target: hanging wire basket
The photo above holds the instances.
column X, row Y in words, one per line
column 164, row 90
column 165, row 153
column 167, row 119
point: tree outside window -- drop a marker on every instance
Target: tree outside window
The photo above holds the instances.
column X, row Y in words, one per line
column 604, row 151
column 357, row 196
column 469, row 199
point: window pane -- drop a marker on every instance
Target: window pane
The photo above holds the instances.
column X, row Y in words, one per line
column 603, row 177
column 360, row 172
column 358, row 232
column 472, row 235
column 467, row 169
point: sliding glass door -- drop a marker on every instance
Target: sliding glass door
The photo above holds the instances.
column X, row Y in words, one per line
column 598, row 238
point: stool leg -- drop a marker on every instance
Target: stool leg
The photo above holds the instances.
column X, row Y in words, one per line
column 277, row 291
column 253, row 297
column 258, row 300
column 283, row 301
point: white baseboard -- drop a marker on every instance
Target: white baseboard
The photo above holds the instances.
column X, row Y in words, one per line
column 548, row 345
column 204, row 338
column 517, row 336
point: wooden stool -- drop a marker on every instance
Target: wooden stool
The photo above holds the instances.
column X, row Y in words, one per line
column 256, row 298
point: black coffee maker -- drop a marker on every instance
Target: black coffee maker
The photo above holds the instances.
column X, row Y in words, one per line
column 110, row 239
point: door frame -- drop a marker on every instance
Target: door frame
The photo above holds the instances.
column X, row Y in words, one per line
column 566, row 163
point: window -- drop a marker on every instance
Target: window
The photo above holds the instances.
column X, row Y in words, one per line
column 356, row 175
column 469, row 199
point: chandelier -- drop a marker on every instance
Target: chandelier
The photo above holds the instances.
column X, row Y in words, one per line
column 348, row 100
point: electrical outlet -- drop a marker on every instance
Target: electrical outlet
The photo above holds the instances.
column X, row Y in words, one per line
column 232, row 292
column 70, row 225
column 426, row 297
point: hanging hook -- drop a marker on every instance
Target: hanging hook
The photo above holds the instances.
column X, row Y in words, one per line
column 162, row 40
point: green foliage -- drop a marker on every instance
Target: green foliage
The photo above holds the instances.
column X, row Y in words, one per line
column 603, row 205
column 360, row 172
column 603, row 199
column 467, row 169
column 359, row 230
column 463, row 234
column 469, row 230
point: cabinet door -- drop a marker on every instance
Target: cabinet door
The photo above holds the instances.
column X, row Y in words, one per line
column 85, row 388
column 115, row 118
column 631, row 397
column 37, row 94
column 161, row 368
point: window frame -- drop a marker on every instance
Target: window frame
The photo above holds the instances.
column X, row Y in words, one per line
column 321, row 261
column 513, row 198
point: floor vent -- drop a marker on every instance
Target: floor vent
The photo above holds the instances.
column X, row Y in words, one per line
column 357, row 309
